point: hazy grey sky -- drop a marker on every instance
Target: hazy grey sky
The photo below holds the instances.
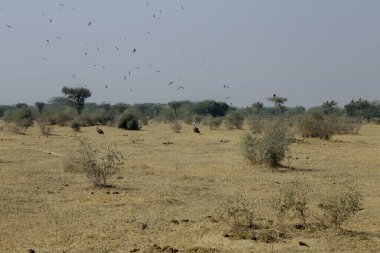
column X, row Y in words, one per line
column 307, row 50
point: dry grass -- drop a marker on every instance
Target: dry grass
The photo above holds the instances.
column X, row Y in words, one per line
column 166, row 195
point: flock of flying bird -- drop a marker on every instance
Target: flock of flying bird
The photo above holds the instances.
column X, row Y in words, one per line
column 90, row 23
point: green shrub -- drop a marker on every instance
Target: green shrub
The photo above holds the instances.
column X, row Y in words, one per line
column 234, row 120
column 269, row 149
column 129, row 121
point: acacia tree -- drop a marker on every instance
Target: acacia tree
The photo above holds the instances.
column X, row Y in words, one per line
column 76, row 97
column 329, row 107
column 279, row 103
column 40, row 106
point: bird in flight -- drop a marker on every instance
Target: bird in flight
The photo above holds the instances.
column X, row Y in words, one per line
column 129, row 73
column 85, row 53
column 51, row 20
column 74, row 77
column 154, row 15
column 182, row 7
column 134, row 50
column 227, row 98
column 171, row 83
column 62, row 5
column 125, row 77
column 106, row 86
column 158, row 71
column 9, row 26
column 89, row 23
column 226, row 86
column 44, row 58
column 47, row 41
column 180, row 87
column 43, row 13
column 117, row 48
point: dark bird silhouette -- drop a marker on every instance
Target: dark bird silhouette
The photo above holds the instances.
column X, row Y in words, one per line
column 117, row 48
column 274, row 95
column 9, row 26
column 61, row 4
column 106, row 86
column 303, row 244
column 98, row 49
column 74, row 77
column 89, row 23
column 51, row 20
column 227, row 98
column 100, row 131
column 158, row 71
column 125, row 77
column 182, row 7
column 196, row 129
column 44, row 58
column 134, row 50
column 31, row 251
column 154, row 15
column 129, row 73
column 147, row 4
column 171, row 83
column 226, row 86
column 47, row 41
column 180, row 87
column 85, row 53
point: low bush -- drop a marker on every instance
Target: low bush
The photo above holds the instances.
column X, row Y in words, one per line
column 44, row 127
column 234, row 120
column 176, row 126
column 268, row 149
column 256, row 125
column 75, row 126
column 20, row 119
column 62, row 118
column 340, row 206
column 214, row 123
column 97, row 165
column 129, row 121
column 316, row 125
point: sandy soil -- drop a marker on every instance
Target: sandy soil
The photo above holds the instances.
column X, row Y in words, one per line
column 165, row 198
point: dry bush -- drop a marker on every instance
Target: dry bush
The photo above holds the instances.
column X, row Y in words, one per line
column 129, row 121
column 268, row 149
column 340, row 206
column 376, row 120
column 234, row 120
column 14, row 128
column 75, row 126
column 61, row 118
column 176, row 126
column 295, row 200
column 316, row 125
column 256, row 124
column 214, row 123
column 97, row 165
column 19, row 120
column 44, row 127
column 346, row 125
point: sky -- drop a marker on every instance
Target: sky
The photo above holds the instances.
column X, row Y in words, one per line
column 240, row 51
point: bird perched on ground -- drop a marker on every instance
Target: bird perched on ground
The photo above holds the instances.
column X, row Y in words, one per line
column 100, row 131
column 303, row 244
column 196, row 129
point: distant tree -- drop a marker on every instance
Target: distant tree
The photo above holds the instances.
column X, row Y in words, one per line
column 120, row 107
column 329, row 107
column 257, row 107
column 57, row 101
column 40, row 106
column 105, row 106
column 211, row 107
column 360, row 107
column 21, row 105
column 175, row 105
column 76, row 97
column 279, row 102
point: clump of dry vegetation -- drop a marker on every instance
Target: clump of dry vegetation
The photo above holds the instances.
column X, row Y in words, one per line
column 45, row 128
column 19, row 120
column 234, row 120
column 214, row 122
column 176, row 126
column 269, row 149
column 75, row 126
column 97, row 165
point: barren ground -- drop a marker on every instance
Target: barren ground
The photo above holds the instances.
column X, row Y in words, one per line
column 175, row 191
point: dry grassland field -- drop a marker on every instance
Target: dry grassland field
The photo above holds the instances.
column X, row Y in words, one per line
column 168, row 197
